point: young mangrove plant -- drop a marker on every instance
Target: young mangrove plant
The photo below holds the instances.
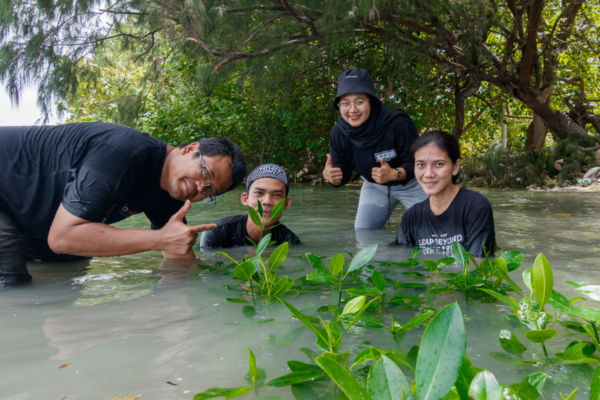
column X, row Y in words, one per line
column 269, row 284
column 335, row 274
column 530, row 310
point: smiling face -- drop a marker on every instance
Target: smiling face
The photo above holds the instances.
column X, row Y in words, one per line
column 434, row 169
column 268, row 191
column 355, row 108
column 182, row 176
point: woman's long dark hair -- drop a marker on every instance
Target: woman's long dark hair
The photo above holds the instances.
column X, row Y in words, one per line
column 441, row 139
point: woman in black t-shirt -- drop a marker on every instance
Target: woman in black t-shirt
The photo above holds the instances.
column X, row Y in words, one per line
column 451, row 214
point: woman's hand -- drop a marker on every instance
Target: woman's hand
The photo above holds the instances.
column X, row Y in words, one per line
column 332, row 175
column 385, row 173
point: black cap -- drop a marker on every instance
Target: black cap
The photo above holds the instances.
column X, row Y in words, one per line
column 355, row 80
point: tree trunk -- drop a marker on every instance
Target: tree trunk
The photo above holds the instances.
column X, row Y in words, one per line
column 537, row 130
column 461, row 94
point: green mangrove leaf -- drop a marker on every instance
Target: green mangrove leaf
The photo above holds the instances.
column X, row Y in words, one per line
column 236, row 300
column 369, row 354
column 299, row 366
column 460, row 255
column 302, row 318
column 252, row 364
column 531, row 387
column 543, row 281
column 571, row 396
column 415, row 251
column 254, row 216
column 442, row 350
column 321, row 278
column 249, row 311
column 297, row 377
column 591, row 291
column 579, row 349
column 363, row 320
column 485, row 387
column 465, row 376
column 418, row 320
column 259, row 207
column 354, row 305
column 387, row 382
column 444, row 262
column 403, row 285
column 501, row 297
column 211, row 394
column 356, row 317
column 378, row 280
column 595, row 386
column 362, row 258
column 412, row 356
column 430, row 265
column 278, row 256
column 513, row 259
column 237, row 392
column 282, row 286
column 502, row 357
column 336, row 265
column 325, row 345
column 511, row 344
column 528, row 310
column 560, row 303
column 511, row 283
column 527, row 278
column 218, row 392
column 337, row 357
column 232, row 259
column 244, row 271
column 346, row 382
column 264, row 243
column 278, row 209
column 541, row 335
column 364, row 291
column 498, row 265
column 407, row 299
column 317, row 264
column 588, row 313
column 399, row 360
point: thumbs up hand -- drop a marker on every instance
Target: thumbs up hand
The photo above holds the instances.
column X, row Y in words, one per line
column 331, row 174
column 385, row 173
column 178, row 238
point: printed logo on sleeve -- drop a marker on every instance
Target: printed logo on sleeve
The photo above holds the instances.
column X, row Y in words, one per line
column 126, row 211
column 388, row 155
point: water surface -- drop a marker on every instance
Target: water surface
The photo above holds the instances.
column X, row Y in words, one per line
column 128, row 325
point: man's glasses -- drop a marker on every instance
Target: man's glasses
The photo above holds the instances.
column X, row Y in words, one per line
column 206, row 175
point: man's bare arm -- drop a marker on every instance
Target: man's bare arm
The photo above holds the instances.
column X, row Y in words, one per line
column 73, row 235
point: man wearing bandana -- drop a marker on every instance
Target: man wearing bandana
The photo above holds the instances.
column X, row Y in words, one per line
column 268, row 184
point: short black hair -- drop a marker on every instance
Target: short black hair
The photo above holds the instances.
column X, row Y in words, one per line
column 441, row 139
column 217, row 146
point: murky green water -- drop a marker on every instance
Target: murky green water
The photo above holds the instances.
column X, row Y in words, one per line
column 129, row 325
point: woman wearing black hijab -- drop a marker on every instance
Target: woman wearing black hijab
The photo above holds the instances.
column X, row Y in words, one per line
column 373, row 140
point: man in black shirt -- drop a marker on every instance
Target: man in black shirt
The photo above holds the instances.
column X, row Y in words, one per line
column 269, row 184
column 61, row 187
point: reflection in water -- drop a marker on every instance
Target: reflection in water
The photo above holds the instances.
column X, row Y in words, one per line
column 130, row 324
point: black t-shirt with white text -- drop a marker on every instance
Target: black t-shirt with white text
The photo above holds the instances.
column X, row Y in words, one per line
column 468, row 220
column 100, row 172
column 232, row 232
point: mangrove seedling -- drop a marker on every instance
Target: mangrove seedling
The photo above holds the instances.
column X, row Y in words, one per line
column 335, row 275
column 530, row 310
